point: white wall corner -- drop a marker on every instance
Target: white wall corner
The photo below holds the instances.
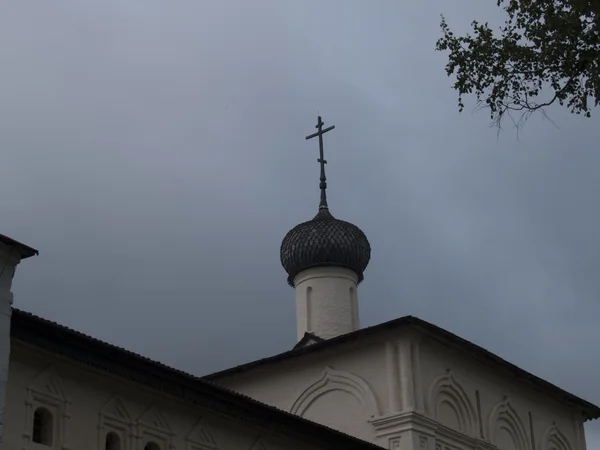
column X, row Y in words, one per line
column 9, row 259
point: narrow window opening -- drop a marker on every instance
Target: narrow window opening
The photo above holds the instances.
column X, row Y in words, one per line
column 113, row 441
column 43, row 424
column 151, row 446
column 354, row 309
column 310, row 322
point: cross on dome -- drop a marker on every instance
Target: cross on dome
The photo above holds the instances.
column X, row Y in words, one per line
column 324, row 241
column 321, row 159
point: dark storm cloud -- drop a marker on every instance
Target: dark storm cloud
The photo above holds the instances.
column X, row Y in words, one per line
column 155, row 155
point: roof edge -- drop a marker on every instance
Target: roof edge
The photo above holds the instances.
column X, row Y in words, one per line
column 24, row 250
column 589, row 410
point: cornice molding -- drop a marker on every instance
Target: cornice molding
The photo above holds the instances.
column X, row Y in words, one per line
column 411, row 421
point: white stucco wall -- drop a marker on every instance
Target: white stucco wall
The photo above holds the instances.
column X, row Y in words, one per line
column 471, row 397
column 87, row 405
column 326, row 301
column 308, row 385
column 413, row 392
column 343, row 388
column 9, row 259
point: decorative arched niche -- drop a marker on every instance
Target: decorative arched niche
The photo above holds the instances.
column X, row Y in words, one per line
column 449, row 404
column 260, row 444
column 337, row 380
column 47, row 412
column 154, row 430
column 554, row 439
column 505, row 427
column 201, row 437
column 114, row 423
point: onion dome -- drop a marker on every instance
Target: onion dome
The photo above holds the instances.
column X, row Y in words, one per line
column 324, row 240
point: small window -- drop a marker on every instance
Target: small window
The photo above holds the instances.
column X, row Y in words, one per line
column 151, row 446
column 113, row 441
column 43, row 424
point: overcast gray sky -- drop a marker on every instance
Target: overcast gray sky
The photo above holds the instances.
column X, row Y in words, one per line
column 154, row 153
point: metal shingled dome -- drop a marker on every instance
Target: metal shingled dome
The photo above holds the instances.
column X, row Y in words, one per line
column 324, row 241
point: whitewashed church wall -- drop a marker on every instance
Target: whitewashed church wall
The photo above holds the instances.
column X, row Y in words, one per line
column 9, row 259
column 87, row 405
column 468, row 396
column 317, row 386
column 404, row 392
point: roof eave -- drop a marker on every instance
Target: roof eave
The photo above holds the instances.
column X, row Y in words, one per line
column 589, row 410
column 68, row 343
column 25, row 251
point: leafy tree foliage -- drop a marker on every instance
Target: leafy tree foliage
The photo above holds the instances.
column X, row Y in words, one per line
column 547, row 51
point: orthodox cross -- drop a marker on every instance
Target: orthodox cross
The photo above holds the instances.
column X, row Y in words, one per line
column 321, row 160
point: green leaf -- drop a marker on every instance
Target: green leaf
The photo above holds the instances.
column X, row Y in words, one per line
column 547, row 51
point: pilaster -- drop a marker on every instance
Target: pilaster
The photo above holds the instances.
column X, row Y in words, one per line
column 393, row 376
column 403, row 375
column 407, row 384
